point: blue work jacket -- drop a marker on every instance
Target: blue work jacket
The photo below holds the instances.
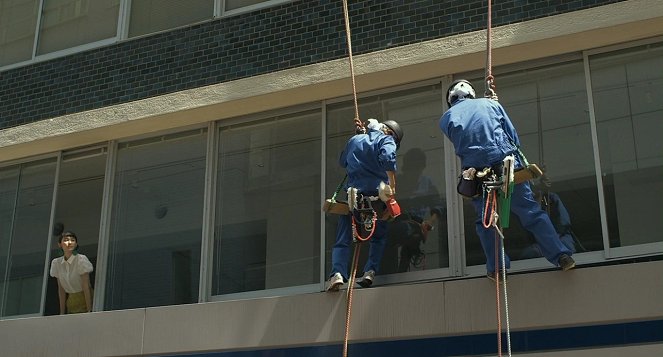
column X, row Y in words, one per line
column 367, row 158
column 481, row 132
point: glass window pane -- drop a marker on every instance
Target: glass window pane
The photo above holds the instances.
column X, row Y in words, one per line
column 236, row 4
column 420, row 183
column 78, row 209
column 70, row 23
column 24, row 266
column 548, row 108
column 627, row 87
column 8, row 193
column 18, row 21
column 156, row 222
column 268, row 205
column 149, row 16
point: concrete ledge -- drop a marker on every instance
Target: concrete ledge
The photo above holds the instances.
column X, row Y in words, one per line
column 585, row 296
column 114, row 333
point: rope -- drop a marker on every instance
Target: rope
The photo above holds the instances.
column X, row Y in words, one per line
column 497, row 299
column 490, row 93
column 506, row 302
column 338, row 188
column 359, row 126
column 370, row 234
column 490, row 80
column 351, row 280
column 359, row 129
column 348, row 308
column 491, row 201
column 490, row 210
column 506, row 297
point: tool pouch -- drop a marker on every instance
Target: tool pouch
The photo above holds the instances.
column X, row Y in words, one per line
column 468, row 184
column 532, row 171
column 468, row 187
column 335, row 207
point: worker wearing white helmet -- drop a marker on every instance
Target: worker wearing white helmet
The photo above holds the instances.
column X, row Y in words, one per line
column 483, row 135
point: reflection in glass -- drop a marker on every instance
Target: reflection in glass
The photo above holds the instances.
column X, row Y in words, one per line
column 18, row 20
column 69, row 23
column 236, row 4
column 156, row 222
column 418, row 239
column 26, row 200
column 627, row 87
column 148, row 16
column 268, row 205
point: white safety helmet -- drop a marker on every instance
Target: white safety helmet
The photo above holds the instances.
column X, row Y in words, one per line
column 460, row 89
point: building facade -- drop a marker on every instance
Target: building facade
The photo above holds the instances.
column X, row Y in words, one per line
column 190, row 144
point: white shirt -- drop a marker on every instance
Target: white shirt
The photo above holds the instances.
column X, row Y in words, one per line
column 68, row 272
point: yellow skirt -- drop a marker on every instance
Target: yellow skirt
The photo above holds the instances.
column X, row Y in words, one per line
column 76, row 302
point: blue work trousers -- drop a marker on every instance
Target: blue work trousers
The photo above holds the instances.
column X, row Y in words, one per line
column 342, row 247
column 532, row 217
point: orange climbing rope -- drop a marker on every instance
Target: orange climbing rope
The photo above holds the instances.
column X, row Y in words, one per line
column 490, row 80
column 491, row 202
column 358, row 124
column 359, row 128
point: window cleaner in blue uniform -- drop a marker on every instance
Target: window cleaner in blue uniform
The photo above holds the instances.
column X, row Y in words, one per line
column 369, row 160
column 483, row 135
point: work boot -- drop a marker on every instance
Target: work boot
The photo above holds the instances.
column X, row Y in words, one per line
column 367, row 280
column 491, row 275
column 335, row 282
column 566, row 262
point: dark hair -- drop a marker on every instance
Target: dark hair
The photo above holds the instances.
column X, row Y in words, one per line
column 68, row 234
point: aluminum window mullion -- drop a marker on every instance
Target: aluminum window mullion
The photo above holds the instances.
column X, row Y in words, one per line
column 455, row 226
column 217, row 9
column 5, row 279
column 597, row 158
column 49, row 240
column 104, row 229
column 323, row 177
column 38, row 26
column 123, row 14
column 209, row 215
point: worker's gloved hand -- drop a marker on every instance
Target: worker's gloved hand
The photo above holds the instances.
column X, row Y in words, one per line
column 385, row 192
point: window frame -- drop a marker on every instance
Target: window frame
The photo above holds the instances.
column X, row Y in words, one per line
column 611, row 253
column 247, row 120
column 122, row 33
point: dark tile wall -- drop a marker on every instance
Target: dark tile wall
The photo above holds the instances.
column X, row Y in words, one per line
column 272, row 39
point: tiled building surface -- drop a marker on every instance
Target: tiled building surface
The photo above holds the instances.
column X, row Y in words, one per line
column 276, row 38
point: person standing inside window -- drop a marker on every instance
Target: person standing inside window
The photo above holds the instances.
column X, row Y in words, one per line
column 72, row 270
